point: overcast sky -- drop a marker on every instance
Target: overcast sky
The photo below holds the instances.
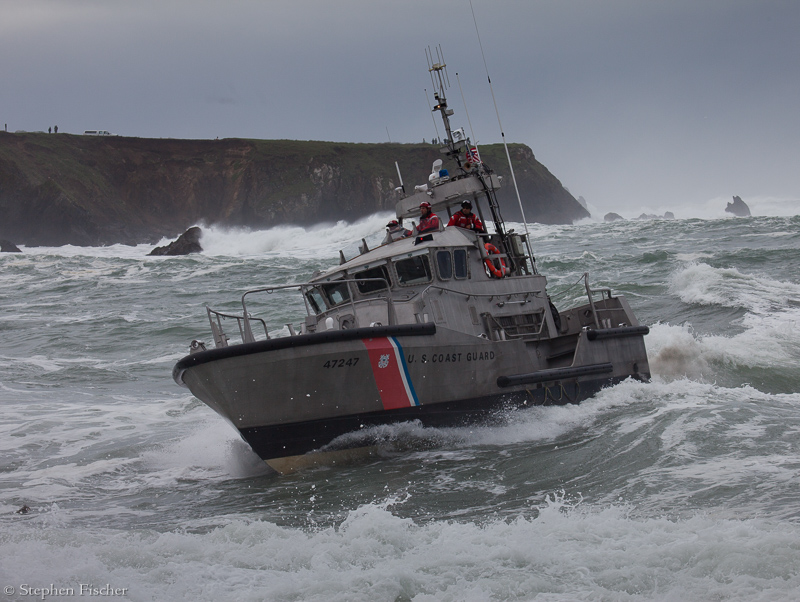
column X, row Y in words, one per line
column 635, row 105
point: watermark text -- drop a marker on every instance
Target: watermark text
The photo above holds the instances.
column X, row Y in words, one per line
column 43, row 592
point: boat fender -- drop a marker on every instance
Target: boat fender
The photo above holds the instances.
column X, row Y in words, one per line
column 556, row 315
column 495, row 268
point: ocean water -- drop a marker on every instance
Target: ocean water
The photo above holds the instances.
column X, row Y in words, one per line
column 684, row 488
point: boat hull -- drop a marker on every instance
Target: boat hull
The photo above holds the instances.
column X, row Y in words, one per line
column 330, row 436
column 295, row 395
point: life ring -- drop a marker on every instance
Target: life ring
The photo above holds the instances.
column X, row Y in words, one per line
column 497, row 267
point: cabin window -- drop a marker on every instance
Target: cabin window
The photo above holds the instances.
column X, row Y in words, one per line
column 460, row 263
column 414, row 270
column 337, row 293
column 370, row 286
column 444, row 264
column 316, row 300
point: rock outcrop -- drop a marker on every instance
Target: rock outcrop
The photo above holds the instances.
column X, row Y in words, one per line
column 6, row 246
column 612, row 217
column 96, row 190
column 738, row 207
column 185, row 244
column 667, row 215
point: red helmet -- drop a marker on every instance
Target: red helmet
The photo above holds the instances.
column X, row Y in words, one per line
column 424, row 205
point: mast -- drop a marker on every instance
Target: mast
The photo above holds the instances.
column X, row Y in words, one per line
column 456, row 143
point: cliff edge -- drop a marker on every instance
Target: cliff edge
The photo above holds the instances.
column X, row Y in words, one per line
column 58, row 189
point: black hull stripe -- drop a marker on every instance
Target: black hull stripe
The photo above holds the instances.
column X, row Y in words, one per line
column 543, row 376
column 622, row 331
column 300, row 340
column 281, row 440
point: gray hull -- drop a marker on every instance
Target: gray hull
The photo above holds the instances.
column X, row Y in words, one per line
column 290, row 400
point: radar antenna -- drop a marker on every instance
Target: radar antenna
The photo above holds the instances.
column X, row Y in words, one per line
column 441, row 81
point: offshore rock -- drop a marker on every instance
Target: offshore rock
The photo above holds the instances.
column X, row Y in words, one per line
column 6, row 246
column 738, row 207
column 612, row 217
column 667, row 215
column 185, row 244
column 102, row 190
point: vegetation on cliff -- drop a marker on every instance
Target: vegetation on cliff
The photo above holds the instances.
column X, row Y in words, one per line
column 92, row 190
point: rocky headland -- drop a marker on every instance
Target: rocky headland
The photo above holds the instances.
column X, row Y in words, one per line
column 58, row 189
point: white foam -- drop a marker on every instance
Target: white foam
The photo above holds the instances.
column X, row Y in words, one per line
column 770, row 324
column 728, row 287
column 323, row 240
column 211, row 449
column 558, row 550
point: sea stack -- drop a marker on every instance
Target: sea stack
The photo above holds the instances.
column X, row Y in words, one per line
column 6, row 246
column 186, row 243
column 738, row 207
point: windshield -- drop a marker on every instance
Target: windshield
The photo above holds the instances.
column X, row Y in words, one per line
column 414, row 270
column 337, row 293
column 370, row 286
column 327, row 296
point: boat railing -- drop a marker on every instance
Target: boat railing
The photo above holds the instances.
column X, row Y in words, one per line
column 220, row 338
column 491, row 296
column 244, row 321
column 605, row 296
column 520, row 247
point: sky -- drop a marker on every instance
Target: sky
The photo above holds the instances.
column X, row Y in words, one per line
column 635, row 105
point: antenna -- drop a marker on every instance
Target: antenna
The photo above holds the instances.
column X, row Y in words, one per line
column 502, row 134
column 387, row 134
column 399, row 176
column 464, row 100
column 441, row 81
column 428, row 102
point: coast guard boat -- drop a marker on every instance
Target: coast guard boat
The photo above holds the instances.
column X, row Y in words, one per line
column 445, row 327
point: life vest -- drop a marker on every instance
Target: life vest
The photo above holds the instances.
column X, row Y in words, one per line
column 426, row 224
column 494, row 267
column 470, row 222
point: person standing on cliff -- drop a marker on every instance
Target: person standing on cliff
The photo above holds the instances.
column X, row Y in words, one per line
column 55, row 129
column 466, row 219
column 428, row 220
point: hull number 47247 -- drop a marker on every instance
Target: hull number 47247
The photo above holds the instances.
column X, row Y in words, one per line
column 341, row 363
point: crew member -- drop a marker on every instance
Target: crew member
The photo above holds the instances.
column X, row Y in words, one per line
column 466, row 219
column 395, row 231
column 428, row 220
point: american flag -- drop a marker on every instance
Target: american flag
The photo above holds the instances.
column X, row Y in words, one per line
column 472, row 155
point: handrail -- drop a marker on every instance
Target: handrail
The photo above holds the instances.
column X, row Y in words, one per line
column 247, row 333
column 220, row 338
column 590, row 293
column 452, row 290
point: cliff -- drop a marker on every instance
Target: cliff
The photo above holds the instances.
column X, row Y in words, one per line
column 60, row 189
